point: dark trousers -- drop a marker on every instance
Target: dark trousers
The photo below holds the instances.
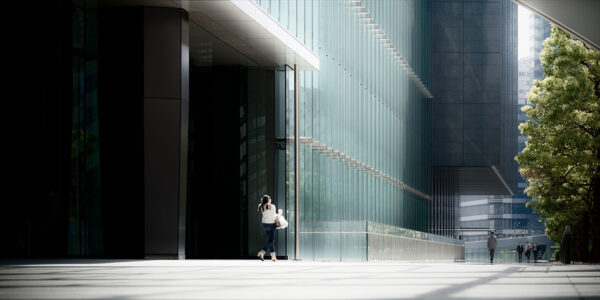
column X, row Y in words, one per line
column 520, row 256
column 535, row 256
column 492, row 255
column 270, row 232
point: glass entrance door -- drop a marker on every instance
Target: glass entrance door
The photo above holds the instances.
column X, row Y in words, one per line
column 285, row 155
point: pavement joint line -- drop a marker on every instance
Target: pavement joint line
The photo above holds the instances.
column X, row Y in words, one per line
column 574, row 286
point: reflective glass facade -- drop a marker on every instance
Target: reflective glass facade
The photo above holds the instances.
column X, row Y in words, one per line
column 364, row 120
column 299, row 17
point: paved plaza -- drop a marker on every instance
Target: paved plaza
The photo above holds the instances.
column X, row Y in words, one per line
column 253, row 279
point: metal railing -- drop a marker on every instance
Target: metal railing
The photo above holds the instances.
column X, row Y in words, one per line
column 506, row 253
column 371, row 241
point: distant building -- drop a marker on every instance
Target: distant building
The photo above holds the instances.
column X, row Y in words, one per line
column 474, row 110
column 507, row 214
column 541, row 30
column 530, row 69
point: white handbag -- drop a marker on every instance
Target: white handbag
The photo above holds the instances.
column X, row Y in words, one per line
column 280, row 222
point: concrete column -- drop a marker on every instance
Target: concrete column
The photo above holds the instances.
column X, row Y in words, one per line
column 166, row 105
column 143, row 101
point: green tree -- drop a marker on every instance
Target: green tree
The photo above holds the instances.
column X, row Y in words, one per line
column 561, row 160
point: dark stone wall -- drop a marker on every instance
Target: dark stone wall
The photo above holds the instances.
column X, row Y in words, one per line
column 473, row 88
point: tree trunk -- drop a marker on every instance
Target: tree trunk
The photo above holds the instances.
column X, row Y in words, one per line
column 595, row 219
column 595, row 236
column 581, row 238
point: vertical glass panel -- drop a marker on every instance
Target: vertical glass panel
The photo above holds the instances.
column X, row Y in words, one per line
column 293, row 16
column 301, row 20
column 290, row 157
column 275, row 9
column 280, row 158
column 309, row 26
column 284, row 13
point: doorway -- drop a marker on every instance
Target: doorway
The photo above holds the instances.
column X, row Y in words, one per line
column 241, row 146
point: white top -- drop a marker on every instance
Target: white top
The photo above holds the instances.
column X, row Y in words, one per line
column 269, row 214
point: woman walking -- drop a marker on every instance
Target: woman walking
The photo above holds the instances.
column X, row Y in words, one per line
column 268, row 221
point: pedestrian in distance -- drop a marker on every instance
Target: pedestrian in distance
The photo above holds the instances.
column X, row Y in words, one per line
column 528, row 251
column 520, row 251
column 268, row 221
column 491, row 244
column 536, row 250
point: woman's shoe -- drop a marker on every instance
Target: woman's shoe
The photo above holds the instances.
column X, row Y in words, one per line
column 273, row 258
column 261, row 255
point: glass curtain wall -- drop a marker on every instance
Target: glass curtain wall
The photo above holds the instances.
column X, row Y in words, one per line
column 299, row 17
column 364, row 119
column 259, row 127
column 261, row 145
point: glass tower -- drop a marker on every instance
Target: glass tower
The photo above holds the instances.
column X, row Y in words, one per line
column 364, row 121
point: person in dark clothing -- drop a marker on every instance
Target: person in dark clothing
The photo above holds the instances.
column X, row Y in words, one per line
column 536, row 250
column 520, row 251
column 565, row 246
column 528, row 251
column 492, row 244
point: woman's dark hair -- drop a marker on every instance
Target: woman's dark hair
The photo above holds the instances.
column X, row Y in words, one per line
column 264, row 200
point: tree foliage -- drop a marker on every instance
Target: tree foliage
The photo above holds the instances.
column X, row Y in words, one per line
column 561, row 160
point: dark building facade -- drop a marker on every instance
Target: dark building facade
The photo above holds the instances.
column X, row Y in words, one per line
column 54, row 165
column 474, row 116
column 108, row 142
column 125, row 166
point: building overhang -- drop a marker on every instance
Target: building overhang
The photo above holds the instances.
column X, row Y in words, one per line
column 578, row 17
column 486, row 180
column 245, row 26
column 238, row 27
